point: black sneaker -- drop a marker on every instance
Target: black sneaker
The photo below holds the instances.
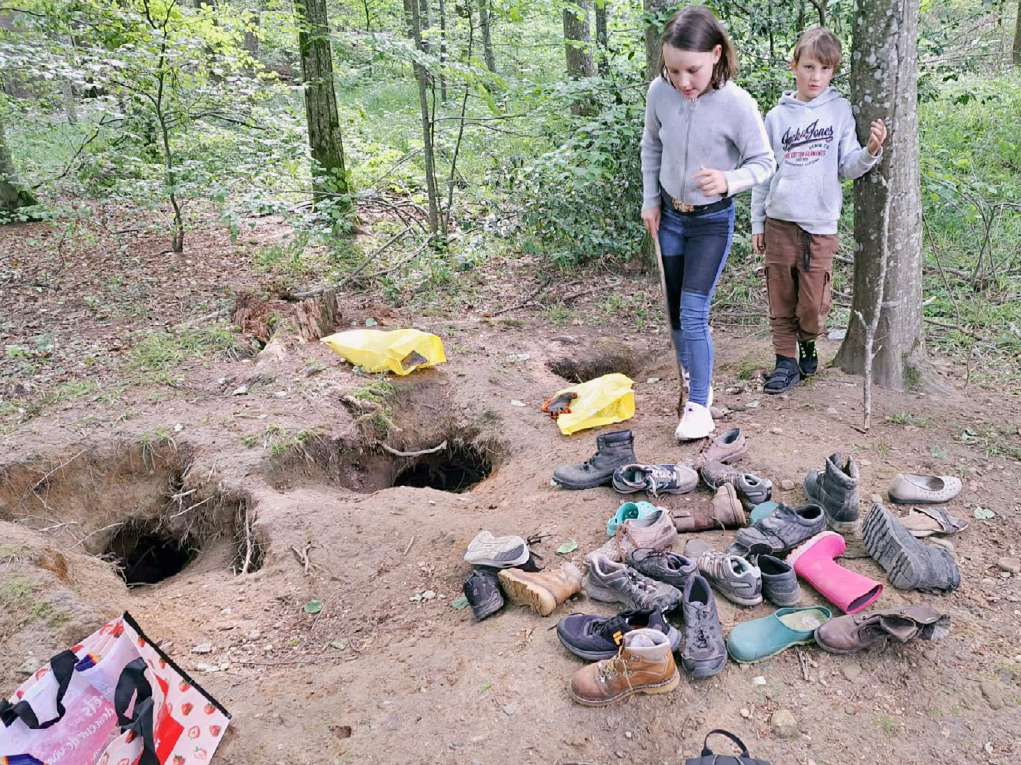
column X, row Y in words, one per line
column 597, row 637
column 808, row 359
column 482, row 588
column 784, row 376
column 663, row 565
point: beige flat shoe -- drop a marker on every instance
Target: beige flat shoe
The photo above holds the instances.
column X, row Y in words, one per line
column 910, row 488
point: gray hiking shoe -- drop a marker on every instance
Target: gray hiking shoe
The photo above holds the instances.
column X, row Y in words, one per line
column 704, row 653
column 909, row 563
column 663, row 566
column 836, row 489
column 780, row 531
column 734, row 577
column 779, row 581
column 655, row 479
column 613, row 582
column 496, row 552
column 751, row 489
column 612, row 451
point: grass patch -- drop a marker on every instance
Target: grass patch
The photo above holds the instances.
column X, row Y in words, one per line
column 907, row 418
column 160, row 354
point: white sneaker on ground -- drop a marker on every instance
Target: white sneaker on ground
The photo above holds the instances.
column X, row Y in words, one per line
column 696, row 422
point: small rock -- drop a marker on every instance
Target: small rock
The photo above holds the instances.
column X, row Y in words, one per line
column 993, row 692
column 851, row 671
column 1010, row 565
column 202, row 648
column 428, row 595
column 876, row 499
column 746, row 713
column 515, row 402
column 734, row 390
column 758, row 680
column 620, row 754
column 30, row 665
column 628, row 734
column 832, row 411
column 717, row 412
column 786, row 484
column 203, row 667
column 753, row 404
column 652, row 381
column 864, row 462
column 783, row 723
column 737, row 407
column 776, row 431
column 254, row 635
column 239, row 391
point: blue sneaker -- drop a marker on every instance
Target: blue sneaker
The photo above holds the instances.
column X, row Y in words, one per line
column 627, row 512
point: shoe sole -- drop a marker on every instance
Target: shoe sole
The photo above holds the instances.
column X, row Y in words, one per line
column 737, row 599
column 528, row 594
column 559, row 482
column 702, row 674
column 674, row 636
column 810, row 641
column 893, row 548
column 847, row 651
column 664, row 687
column 775, row 391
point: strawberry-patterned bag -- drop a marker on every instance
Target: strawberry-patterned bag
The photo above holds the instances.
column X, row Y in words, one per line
column 113, row 699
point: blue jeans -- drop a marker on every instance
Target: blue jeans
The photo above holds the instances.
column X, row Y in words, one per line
column 695, row 249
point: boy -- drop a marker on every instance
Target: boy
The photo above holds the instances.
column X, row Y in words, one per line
column 795, row 214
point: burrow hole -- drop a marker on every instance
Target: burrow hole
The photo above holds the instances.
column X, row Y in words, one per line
column 145, row 553
column 589, row 364
column 457, row 468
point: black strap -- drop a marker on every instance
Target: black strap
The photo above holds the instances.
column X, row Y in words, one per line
column 707, row 751
column 62, row 666
column 132, row 683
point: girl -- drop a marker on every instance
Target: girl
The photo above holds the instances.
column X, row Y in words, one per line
column 704, row 142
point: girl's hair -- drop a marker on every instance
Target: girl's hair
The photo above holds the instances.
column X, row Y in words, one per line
column 695, row 28
column 822, row 45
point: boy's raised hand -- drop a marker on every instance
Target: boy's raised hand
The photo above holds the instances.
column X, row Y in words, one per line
column 877, row 135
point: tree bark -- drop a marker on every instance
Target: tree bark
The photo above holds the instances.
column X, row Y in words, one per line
column 487, row 38
column 884, row 74
column 602, row 37
column 414, row 29
column 12, row 194
column 443, row 50
column 328, row 175
column 578, row 40
column 652, row 34
column 1017, row 37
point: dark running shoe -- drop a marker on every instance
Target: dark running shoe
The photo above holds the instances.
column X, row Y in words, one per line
column 663, row 565
column 597, row 637
column 784, row 376
column 482, row 588
column 808, row 358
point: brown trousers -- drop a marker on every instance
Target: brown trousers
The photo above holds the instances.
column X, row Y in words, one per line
column 799, row 272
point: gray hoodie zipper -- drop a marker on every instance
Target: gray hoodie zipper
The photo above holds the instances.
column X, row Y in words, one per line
column 690, row 108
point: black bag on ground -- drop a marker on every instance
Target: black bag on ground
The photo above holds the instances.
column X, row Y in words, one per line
column 708, row 758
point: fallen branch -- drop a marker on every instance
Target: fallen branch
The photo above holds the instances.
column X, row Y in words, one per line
column 419, row 453
column 527, row 300
column 303, row 556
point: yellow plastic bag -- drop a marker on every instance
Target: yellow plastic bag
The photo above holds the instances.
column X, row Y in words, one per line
column 402, row 351
column 600, row 401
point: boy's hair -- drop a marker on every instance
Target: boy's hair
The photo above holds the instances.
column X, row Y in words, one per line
column 695, row 28
column 822, row 45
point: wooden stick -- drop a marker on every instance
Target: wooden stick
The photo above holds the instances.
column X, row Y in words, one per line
column 419, row 453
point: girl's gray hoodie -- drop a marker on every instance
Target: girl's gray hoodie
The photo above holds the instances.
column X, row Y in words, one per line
column 816, row 147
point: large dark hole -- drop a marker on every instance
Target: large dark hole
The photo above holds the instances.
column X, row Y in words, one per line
column 603, row 357
column 144, row 554
column 456, row 468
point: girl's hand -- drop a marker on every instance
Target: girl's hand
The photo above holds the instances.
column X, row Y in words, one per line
column 711, row 182
column 650, row 218
column 759, row 243
column 877, row 135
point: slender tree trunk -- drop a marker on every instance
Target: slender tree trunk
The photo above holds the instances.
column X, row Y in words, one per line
column 578, row 40
column 888, row 237
column 12, row 194
column 443, row 50
column 653, row 32
column 414, row 29
column 602, row 37
column 1017, row 37
column 328, row 175
column 487, row 38
column 250, row 42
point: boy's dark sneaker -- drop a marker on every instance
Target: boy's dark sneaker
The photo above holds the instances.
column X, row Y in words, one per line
column 808, row 359
column 597, row 637
column 482, row 589
column 784, row 376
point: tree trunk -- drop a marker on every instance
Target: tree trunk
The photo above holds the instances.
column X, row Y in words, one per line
column 602, row 37
column 12, row 194
column 443, row 50
column 652, row 34
column 1017, row 37
column 422, row 76
column 250, row 42
column 578, row 40
column 487, row 39
column 328, row 176
column 884, row 74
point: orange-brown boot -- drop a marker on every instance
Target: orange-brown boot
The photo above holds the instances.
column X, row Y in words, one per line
column 544, row 590
column 645, row 664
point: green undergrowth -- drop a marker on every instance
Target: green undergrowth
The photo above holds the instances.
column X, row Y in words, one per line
column 159, row 356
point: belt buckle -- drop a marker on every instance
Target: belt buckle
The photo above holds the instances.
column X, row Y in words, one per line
column 682, row 207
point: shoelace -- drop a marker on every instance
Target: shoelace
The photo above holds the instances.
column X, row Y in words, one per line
column 701, row 631
column 608, row 668
column 658, row 477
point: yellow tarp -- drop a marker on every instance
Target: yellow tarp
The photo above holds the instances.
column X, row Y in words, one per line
column 601, row 401
column 401, row 351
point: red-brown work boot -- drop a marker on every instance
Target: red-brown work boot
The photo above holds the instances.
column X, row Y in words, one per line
column 645, row 664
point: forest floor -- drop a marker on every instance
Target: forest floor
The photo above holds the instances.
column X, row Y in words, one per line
column 116, row 435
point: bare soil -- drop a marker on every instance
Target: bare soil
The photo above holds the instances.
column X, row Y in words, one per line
column 283, row 494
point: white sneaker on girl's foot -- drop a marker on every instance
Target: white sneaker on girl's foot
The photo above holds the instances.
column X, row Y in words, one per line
column 697, row 422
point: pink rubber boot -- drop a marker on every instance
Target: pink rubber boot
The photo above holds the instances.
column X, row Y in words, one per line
column 814, row 561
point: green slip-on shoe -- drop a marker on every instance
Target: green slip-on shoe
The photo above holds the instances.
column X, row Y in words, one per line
column 627, row 512
column 759, row 639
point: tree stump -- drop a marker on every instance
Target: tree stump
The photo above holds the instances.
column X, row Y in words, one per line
column 317, row 316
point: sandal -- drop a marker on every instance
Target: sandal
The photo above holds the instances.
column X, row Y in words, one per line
column 784, row 376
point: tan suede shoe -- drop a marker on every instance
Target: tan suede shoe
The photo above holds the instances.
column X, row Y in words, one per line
column 855, row 632
column 645, row 664
column 544, row 590
column 656, row 531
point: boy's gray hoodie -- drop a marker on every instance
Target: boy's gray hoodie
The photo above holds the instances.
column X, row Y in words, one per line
column 816, row 147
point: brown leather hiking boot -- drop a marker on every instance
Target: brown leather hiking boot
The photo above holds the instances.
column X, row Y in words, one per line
column 855, row 632
column 724, row 513
column 543, row 590
column 656, row 531
column 645, row 664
